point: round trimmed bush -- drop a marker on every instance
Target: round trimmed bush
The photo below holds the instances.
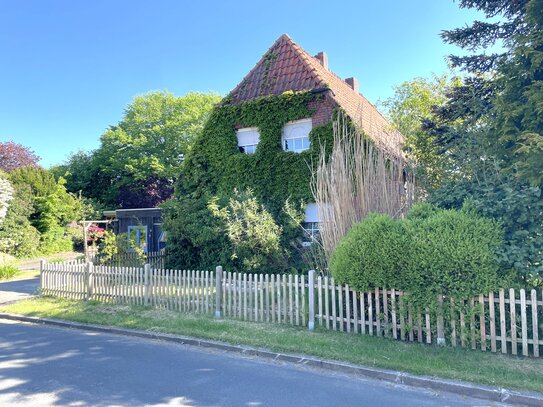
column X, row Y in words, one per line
column 371, row 254
column 431, row 252
column 453, row 253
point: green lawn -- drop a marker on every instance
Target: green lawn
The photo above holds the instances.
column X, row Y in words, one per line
column 25, row 274
column 474, row 366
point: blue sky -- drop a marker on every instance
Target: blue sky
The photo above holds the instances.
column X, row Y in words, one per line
column 68, row 68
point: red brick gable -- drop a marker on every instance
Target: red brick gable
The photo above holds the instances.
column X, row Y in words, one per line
column 288, row 67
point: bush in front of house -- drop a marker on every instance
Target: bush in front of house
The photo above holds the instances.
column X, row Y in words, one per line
column 433, row 251
column 371, row 254
column 254, row 236
column 453, row 252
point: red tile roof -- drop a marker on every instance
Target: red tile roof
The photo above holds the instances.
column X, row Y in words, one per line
column 287, row 66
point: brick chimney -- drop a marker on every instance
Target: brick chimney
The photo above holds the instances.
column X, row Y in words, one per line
column 323, row 59
column 353, row 83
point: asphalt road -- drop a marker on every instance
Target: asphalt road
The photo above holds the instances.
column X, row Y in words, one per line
column 45, row 366
column 16, row 290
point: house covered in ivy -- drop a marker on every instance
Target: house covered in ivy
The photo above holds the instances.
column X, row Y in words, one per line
column 264, row 136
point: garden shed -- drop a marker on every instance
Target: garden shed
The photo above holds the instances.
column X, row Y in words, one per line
column 142, row 225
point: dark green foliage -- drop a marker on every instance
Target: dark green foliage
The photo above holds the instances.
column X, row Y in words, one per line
column 17, row 235
column 483, row 34
column 52, row 205
column 215, row 164
column 215, row 167
column 518, row 113
column 499, row 113
column 519, row 209
column 252, row 232
column 196, row 239
column 489, row 133
column 452, row 253
column 371, row 254
column 433, row 251
column 38, row 215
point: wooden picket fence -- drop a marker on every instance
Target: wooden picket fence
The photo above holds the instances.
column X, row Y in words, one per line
column 186, row 290
column 509, row 321
column 265, row 297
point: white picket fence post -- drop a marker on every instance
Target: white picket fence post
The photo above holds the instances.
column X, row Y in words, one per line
column 440, row 322
column 89, row 280
column 42, row 266
column 146, row 282
column 218, row 292
column 311, row 298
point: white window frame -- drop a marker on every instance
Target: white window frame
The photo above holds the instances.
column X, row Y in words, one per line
column 248, row 139
column 138, row 229
column 287, row 139
column 311, row 223
column 312, row 231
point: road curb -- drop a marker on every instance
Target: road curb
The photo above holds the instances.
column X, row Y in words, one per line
column 450, row 386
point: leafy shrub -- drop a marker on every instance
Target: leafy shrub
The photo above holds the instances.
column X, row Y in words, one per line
column 452, row 253
column 252, row 231
column 371, row 254
column 114, row 247
column 55, row 240
column 6, row 195
column 19, row 240
column 431, row 252
column 7, row 271
column 38, row 213
column 519, row 209
column 196, row 238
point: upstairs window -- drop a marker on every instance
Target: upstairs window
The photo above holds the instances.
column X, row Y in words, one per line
column 295, row 136
column 248, row 139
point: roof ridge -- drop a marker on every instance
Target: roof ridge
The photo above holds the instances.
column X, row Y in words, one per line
column 287, row 66
column 304, row 55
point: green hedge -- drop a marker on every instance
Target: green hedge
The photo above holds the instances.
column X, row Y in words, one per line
column 371, row 254
column 450, row 252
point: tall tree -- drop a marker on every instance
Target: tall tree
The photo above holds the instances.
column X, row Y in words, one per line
column 414, row 103
column 500, row 102
column 518, row 112
column 491, row 127
column 14, row 155
column 139, row 159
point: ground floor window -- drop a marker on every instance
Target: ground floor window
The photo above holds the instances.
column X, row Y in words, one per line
column 312, row 232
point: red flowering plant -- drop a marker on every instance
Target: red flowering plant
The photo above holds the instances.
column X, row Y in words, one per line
column 95, row 233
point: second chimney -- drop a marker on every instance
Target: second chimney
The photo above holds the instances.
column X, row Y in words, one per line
column 323, row 59
column 353, row 83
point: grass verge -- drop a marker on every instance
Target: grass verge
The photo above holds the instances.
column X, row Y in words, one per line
column 25, row 275
column 452, row 363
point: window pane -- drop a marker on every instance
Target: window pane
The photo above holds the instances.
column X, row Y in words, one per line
column 298, row 144
column 305, row 143
column 287, row 145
